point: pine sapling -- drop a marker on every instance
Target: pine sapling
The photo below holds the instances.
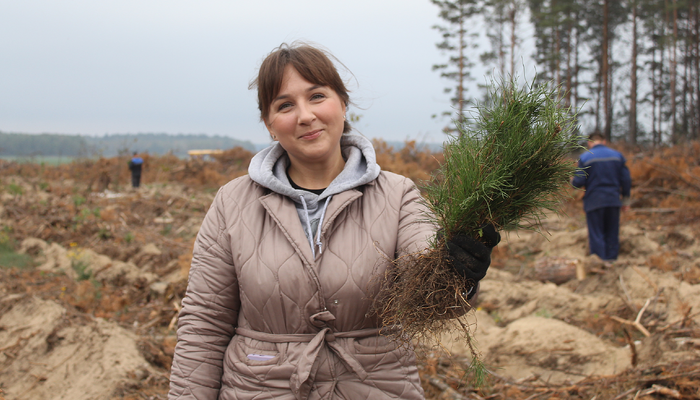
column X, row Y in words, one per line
column 507, row 167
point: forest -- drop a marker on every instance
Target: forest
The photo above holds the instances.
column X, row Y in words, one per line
column 110, row 145
column 631, row 68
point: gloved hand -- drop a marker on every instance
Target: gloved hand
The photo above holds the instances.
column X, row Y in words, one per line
column 471, row 257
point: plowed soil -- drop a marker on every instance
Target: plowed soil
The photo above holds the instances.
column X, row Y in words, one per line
column 92, row 273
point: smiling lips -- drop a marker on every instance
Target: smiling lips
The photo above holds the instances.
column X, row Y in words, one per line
column 312, row 134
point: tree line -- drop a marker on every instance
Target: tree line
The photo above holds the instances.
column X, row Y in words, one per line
column 46, row 144
column 631, row 68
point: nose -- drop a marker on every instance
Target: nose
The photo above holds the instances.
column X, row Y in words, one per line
column 306, row 114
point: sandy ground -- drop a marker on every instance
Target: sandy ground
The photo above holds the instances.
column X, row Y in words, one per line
column 60, row 338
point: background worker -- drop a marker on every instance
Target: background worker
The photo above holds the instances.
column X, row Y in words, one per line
column 607, row 181
column 135, row 165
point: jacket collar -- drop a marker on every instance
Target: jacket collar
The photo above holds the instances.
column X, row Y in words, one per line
column 284, row 213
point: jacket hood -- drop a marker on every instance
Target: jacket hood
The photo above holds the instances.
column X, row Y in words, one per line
column 268, row 168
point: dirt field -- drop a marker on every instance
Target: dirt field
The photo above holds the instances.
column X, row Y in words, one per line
column 92, row 274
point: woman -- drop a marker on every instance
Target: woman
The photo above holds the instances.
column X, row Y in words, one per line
column 289, row 256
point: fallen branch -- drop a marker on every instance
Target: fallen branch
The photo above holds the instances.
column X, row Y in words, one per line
column 633, row 348
column 662, row 390
column 625, row 393
column 682, row 320
column 657, row 189
column 173, row 321
column 636, row 322
column 654, row 210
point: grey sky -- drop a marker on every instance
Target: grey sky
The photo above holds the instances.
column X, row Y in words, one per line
column 183, row 66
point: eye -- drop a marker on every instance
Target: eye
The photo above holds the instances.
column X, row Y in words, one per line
column 284, row 106
column 318, row 96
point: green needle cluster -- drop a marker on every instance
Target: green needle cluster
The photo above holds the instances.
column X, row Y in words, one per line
column 508, row 166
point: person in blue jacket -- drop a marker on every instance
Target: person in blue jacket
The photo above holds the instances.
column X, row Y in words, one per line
column 135, row 165
column 607, row 181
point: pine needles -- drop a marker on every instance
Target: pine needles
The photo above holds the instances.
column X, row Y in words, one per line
column 506, row 168
column 509, row 167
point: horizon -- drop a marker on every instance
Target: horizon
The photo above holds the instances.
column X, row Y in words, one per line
column 94, row 68
column 267, row 142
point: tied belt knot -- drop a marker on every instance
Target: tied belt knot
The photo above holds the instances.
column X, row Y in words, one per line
column 305, row 371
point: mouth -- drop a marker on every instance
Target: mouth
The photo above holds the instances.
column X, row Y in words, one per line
column 311, row 135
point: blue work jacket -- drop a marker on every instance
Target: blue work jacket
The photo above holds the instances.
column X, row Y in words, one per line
column 605, row 176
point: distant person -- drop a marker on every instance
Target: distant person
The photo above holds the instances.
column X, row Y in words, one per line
column 135, row 165
column 288, row 256
column 607, row 181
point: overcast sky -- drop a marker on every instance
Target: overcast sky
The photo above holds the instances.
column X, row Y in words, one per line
column 183, row 66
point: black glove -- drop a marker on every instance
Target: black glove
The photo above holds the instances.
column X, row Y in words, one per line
column 471, row 257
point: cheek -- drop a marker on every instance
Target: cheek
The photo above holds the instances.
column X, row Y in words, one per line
column 333, row 112
column 282, row 124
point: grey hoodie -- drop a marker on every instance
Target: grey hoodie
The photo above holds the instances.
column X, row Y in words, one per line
column 268, row 168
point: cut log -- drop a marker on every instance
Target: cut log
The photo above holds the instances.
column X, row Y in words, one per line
column 558, row 270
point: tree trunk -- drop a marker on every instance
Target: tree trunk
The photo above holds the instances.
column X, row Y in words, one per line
column 568, row 64
column 557, row 45
column 605, row 71
column 686, row 93
column 598, row 90
column 660, row 80
column 654, row 99
column 501, row 49
column 460, row 73
column 632, row 130
column 513, row 24
column 576, row 69
column 674, row 65
column 696, row 38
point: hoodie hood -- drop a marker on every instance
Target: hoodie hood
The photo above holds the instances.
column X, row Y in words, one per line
column 269, row 169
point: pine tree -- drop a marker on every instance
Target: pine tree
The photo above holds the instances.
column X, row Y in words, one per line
column 632, row 125
column 503, row 18
column 456, row 40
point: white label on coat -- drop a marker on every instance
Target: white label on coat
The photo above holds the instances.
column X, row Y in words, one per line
column 260, row 357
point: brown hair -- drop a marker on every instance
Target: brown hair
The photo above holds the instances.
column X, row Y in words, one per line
column 313, row 64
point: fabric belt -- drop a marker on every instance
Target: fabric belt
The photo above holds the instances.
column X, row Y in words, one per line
column 305, row 371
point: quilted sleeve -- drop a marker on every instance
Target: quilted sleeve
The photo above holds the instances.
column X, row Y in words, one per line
column 209, row 312
column 415, row 228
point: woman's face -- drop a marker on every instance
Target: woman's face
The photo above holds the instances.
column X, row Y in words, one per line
column 307, row 119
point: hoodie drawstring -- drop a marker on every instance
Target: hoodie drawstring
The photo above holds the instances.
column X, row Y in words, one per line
column 320, row 224
column 310, row 234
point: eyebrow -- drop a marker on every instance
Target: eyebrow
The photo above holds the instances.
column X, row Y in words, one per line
column 285, row 96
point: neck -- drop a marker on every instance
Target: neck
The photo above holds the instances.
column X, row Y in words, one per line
column 316, row 176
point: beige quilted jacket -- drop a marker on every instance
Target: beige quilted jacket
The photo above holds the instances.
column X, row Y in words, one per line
column 263, row 319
